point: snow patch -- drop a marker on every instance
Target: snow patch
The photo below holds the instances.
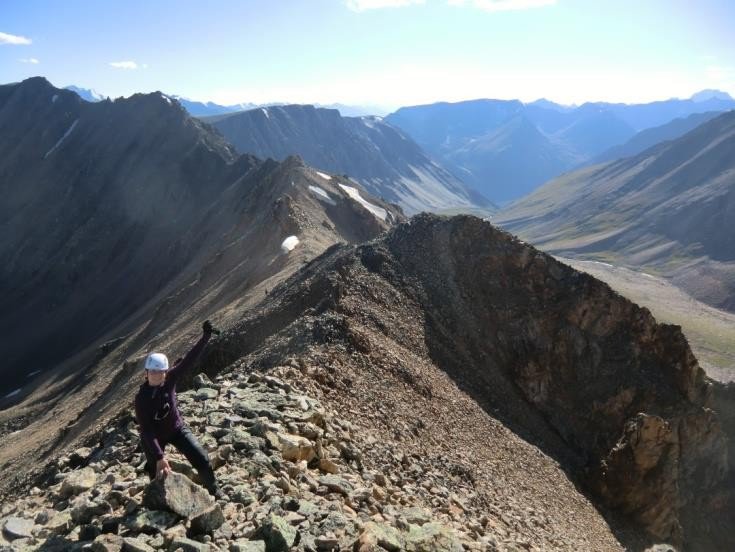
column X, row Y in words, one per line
column 54, row 98
column 354, row 193
column 370, row 120
column 13, row 393
column 324, row 176
column 289, row 243
column 67, row 133
column 33, row 373
column 265, row 112
column 321, row 194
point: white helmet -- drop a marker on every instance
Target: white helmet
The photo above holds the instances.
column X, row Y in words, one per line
column 157, row 362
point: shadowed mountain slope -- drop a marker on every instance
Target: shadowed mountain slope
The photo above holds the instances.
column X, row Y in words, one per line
column 652, row 136
column 110, row 207
column 383, row 159
column 669, row 209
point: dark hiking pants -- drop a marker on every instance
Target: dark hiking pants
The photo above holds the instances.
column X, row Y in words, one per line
column 186, row 444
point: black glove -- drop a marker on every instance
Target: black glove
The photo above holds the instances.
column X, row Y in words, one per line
column 207, row 328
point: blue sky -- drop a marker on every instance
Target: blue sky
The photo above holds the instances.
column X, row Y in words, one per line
column 374, row 52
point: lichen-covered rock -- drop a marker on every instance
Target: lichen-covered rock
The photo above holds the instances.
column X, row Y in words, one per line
column 153, row 521
column 377, row 534
column 431, row 537
column 78, row 482
column 208, row 521
column 178, row 494
column 279, row 535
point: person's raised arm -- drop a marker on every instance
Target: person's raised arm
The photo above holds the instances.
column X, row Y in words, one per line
column 191, row 357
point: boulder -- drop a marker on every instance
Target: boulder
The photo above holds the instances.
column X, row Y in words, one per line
column 206, row 393
column 295, row 447
column 18, row 528
column 208, row 521
column 78, row 482
column 178, row 494
column 378, row 534
column 153, row 521
column 431, row 537
column 336, row 484
column 84, row 510
column 279, row 535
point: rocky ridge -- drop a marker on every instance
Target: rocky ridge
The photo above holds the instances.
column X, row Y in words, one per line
column 562, row 416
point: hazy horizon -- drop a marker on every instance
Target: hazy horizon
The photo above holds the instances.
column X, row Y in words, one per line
column 379, row 53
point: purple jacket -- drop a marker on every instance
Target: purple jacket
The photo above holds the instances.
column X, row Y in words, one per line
column 155, row 407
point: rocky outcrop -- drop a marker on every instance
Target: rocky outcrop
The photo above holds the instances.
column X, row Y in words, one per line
column 555, row 354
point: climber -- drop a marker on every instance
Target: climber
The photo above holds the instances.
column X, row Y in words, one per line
column 160, row 421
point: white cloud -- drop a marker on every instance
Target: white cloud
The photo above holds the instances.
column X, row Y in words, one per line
column 13, row 39
column 34, row 61
column 362, row 5
column 124, row 64
column 503, row 5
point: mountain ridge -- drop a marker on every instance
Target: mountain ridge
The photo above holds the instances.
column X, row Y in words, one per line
column 383, row 159
column 667, row 209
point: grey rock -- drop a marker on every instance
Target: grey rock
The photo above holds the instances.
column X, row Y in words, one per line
column 60, row 523
column 327, row 543
column 208, row 521
column 18, row 528
column 153, row 521
column 188, row 545
column 242, row 495
column 135, row 544
column 242, row 440
column 247, row 546
column 89, row 532
column 336, row 484
column 431, row 537
column 178, row 494
column 107, row 543
column 78, row 482
column 84, row 510
column 279, row 535
column 202, row 380
column 206, row 393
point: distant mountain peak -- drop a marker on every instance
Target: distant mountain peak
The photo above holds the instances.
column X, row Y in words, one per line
column 710, row 94
column 87, row 94
column 548, row 104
